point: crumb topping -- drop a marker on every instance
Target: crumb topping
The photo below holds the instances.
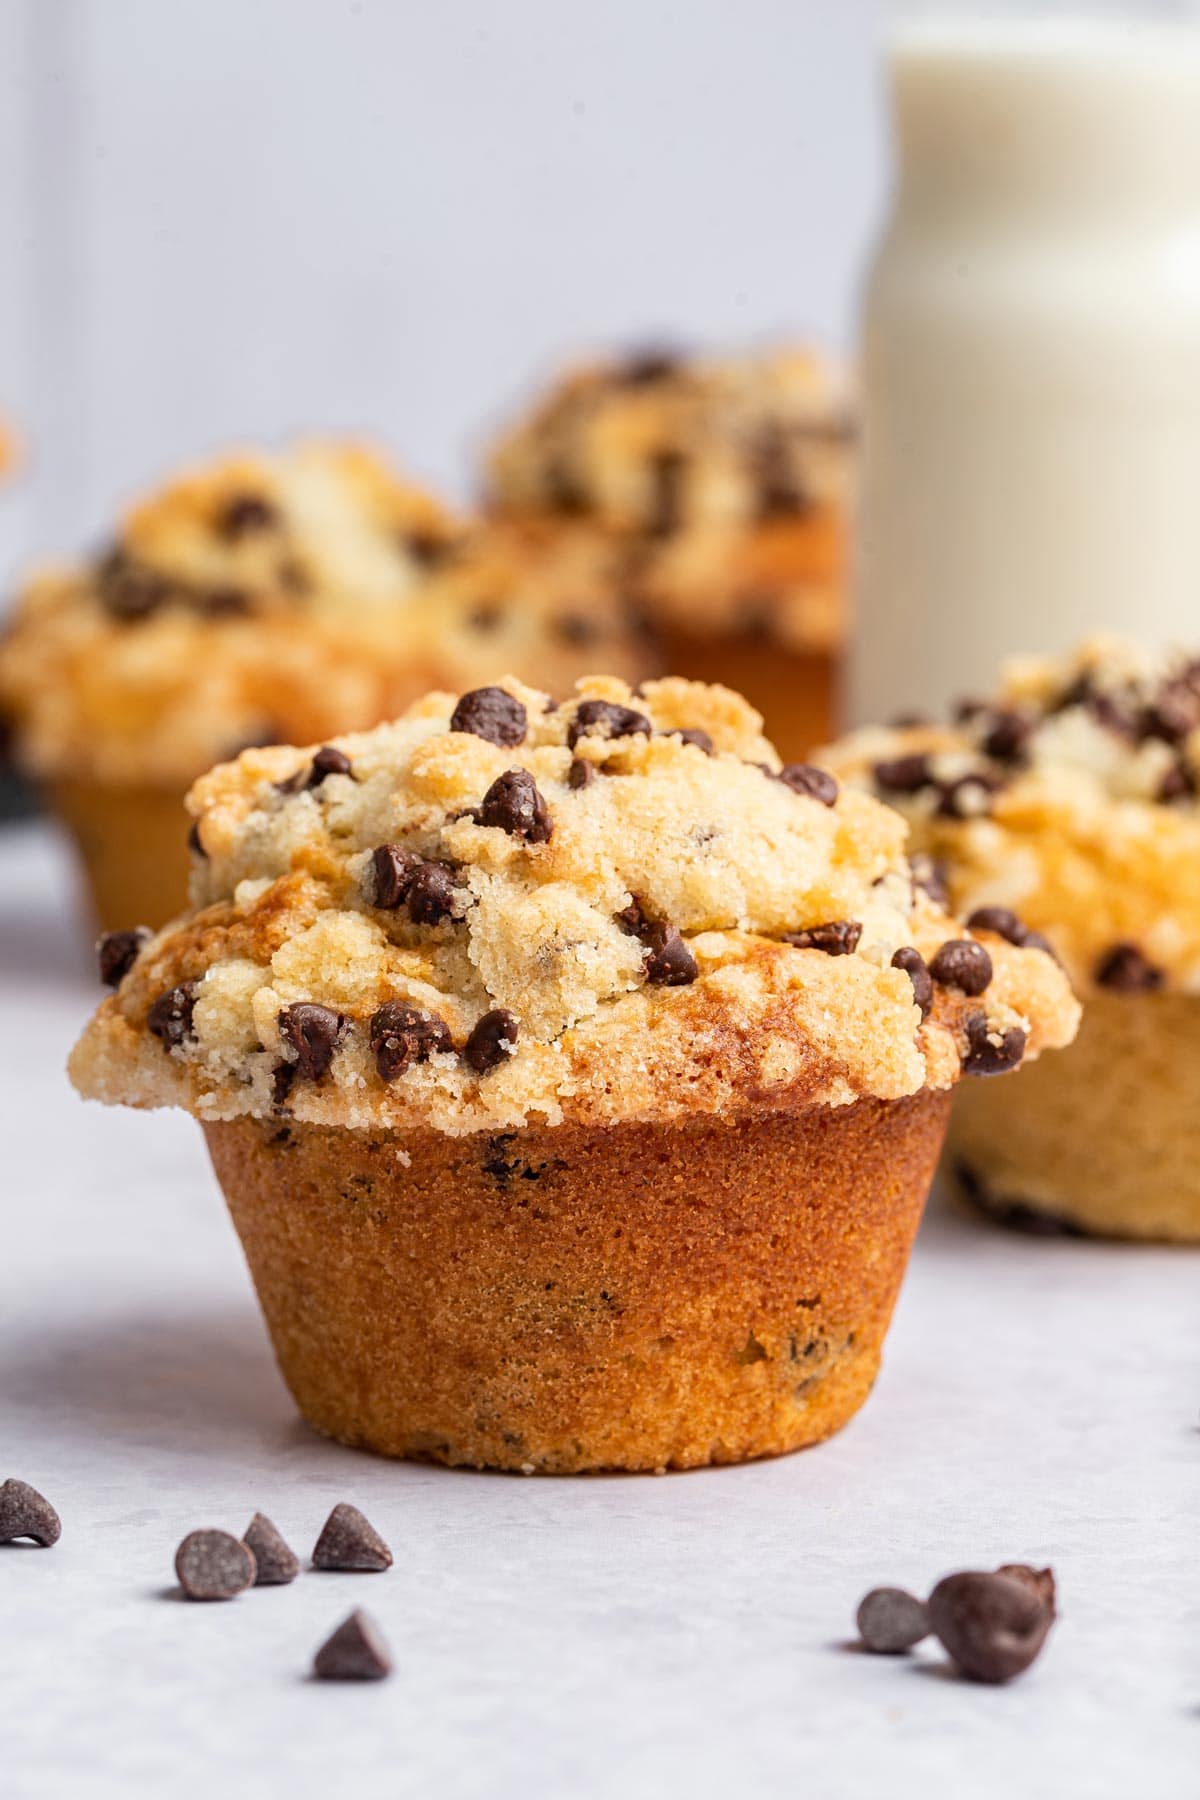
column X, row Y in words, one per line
column 440, row 923
column 1069, row 801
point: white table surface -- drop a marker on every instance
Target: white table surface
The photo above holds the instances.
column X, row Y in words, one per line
column 590, row 1637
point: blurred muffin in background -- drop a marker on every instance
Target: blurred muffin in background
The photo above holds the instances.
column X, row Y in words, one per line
column 1066, row 809
column 268, row 597
column 728, row 484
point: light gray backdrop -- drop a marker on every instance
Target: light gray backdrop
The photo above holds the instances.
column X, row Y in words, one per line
column 237, row 218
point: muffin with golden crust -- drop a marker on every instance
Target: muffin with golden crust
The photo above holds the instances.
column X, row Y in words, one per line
column 574, row 1073
column 269, row 597
column 1067, row 808
column 728, row 480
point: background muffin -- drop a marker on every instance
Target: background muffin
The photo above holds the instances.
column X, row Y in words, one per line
column 728, row 482
column 1068, row 807
column 574, row 1073
column 270, row 597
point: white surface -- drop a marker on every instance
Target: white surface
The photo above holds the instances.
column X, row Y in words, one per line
column 621, row 1637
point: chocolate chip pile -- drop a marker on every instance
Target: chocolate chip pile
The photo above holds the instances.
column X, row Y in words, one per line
column 992, row 1625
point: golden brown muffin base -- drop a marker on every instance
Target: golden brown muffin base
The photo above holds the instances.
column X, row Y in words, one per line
column 794, row 690
column 1103, row 1137
column 569, row 1298
column 132, row 842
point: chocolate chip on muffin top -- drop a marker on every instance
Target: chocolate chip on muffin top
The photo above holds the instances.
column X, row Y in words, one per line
column 452, row 928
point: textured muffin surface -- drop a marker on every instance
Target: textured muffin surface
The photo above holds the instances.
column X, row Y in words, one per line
column 501, row 911
column 1069, row 799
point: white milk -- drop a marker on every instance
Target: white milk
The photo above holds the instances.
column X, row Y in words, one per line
column 1031, row 355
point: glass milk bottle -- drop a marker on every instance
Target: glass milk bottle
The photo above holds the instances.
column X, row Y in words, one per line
column 1031, row 355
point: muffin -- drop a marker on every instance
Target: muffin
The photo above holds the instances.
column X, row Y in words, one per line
column 574, row 1074
column 727, row 482
column 1066, row 810
column 271, row 597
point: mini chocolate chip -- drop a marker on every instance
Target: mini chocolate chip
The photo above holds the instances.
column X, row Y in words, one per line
column 1007, row 734
column 929, row 876
column 314, row 1033
column 807, row 779
column 667, row 469
column 668, row 960
column 642, row 368
column 693, row 735
column 838, row 938
column 245, row 514
column 969, row 796
column 1040, row 1580
column 580, row 774
column 575, row 629
column 329, row 760
column 431, row 894
column 992, row 1625
column 890, row 1621
column 426, row 547
column 902, row 774
column 513, row 804
column 632, row 919
column 984, row 1056
column 492, row 714
column 393, row 869
column 283, row 1079
column 129, row 591
column 356, row 1651
column 402, row 1035
column 780, row 492
column 195, row 842
column 606, row 719
column 275, row 1562
column 117, row 951
column 485, row 1048
column 24, row 1513
column 963, row 965
column 1126, row 971
column 968, row 708
column 349, row 1541
column 214, row 1565
column 917, row 970
column 1001, row 920
column 170, row 1017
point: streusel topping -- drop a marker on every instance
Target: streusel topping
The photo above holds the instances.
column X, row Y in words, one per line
column 500, row 910
column 1071, row 800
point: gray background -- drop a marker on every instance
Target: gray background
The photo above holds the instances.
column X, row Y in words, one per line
column 231, row 219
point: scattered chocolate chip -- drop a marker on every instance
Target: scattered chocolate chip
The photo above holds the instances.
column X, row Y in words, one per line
column 580, row 774
column 1126, row 971
column 807, row 779
column 780, row 491
column 1178, row 783
column 969, row 796
column 642, row 368
column 902, row 774
column 402, row 1035
column 117, row 951
column 839, row 938
column 693, row 735
column 431, row 894
column 426, row 547
column 667, row 470
column 513, row 804
column 577, row 630
column 214, row 1565
column 195, row 842
column 245, row 514
column 1000, row 920
column 1006, row 735
column 356, row 1651
column 130, row 591
column 930, row 877
column 275, row 1562
column 963, row 965
column 329, row 760
column 170, row 1017
column 992, row 1625
column 314, row 1033
column 632, row 918
column 917, row 970
column 349, row 1541
column 492, row 714
column 393, row 869
column 24, row 1513
column 1040, row 1580
column 668, row 961
column 606, row 719
column 967, row 709
column 485, row 1048
column 891, row 1621
column 283, row 1079
column 984, row 1055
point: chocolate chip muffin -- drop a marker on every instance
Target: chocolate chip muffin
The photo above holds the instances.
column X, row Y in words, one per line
column 574, row 1073
column 270, row 597
column 1066, row 810
column 728, row 483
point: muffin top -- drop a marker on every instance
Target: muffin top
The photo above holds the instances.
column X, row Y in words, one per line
column 278, row 597
column 500, row 910
column 1069, row 800
column 656, row 442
